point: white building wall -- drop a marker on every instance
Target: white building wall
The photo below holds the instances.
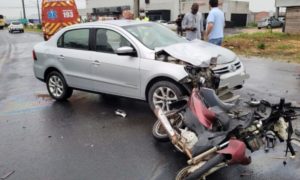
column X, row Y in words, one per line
column 287, row 3
column 162, row 5
column 90, row 4
column 176, row 6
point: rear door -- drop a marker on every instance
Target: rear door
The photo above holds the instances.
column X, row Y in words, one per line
column 119, row 75
column 74, row 55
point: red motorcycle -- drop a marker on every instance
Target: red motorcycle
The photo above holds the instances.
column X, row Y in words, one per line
column 212, row 139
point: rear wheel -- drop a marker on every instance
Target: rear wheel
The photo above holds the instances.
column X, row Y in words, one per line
column 183, row 173
column 164, row 93
column 57, row 86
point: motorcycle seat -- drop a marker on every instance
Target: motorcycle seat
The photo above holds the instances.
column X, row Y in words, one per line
column 212, row 100
column 222, row 117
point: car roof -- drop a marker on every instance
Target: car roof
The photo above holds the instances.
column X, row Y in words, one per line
column 119, row 23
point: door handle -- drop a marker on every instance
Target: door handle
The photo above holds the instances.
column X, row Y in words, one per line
column 61, row 57
column 96, row 62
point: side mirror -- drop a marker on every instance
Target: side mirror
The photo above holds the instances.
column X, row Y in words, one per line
column 126, row 51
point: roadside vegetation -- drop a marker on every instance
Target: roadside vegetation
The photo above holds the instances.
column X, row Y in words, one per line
column 33, row 28
column 275, row 45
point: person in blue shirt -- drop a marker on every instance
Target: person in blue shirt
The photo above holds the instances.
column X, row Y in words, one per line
column 215, row 24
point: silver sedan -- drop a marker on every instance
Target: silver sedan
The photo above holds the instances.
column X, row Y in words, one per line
column 134, row 59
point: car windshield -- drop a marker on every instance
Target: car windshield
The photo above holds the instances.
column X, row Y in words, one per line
column 16, row 23
column 154, row 35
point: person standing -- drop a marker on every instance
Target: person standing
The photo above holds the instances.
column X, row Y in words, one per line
column 127, row 14
column 142, row 16
column 179, row 24
column 192, row 23
column 215, row 24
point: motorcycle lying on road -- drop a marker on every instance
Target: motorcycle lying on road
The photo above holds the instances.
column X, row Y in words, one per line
column 212, row 139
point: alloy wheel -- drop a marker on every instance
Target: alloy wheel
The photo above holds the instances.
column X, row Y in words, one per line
column 163, row 97
column 56, row 86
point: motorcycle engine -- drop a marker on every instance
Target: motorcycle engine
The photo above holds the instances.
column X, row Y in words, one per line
column 190, row 138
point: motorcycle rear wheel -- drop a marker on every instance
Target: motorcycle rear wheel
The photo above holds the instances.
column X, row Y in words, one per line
column 183, row 173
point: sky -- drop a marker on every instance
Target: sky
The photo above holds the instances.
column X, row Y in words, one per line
column 12, row 9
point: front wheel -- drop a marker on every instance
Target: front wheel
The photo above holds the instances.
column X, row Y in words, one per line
column 57, row 86
column 164, row 93
column 159, row 132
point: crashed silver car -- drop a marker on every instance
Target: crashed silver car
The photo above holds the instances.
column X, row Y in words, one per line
column 134, row 59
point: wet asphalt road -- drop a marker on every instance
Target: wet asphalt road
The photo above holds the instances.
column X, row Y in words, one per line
column 82, row 139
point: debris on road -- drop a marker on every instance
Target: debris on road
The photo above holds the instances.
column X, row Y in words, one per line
column 7, row 175
column 121, row 113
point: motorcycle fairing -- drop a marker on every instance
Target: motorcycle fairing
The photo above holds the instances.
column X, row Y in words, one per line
column 204, row 115
column 237, row 150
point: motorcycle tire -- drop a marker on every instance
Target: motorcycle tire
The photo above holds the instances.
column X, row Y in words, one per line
column 159, row 133
column 182, row 173
column 199, row 173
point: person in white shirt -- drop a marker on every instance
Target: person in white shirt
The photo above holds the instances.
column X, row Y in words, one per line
column 192, row 23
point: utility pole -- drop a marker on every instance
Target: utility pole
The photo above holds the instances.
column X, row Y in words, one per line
column 24, row 13
column 38, row 9
column 136, row 8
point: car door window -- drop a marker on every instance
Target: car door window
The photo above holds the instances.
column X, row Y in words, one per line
column 75, row 39
column 109, row 41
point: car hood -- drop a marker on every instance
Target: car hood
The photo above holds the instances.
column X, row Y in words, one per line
column 199, row 53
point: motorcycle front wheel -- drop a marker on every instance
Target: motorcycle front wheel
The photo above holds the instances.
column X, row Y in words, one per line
column 159, row 132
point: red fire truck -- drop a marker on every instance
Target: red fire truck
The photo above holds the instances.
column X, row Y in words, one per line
column 57, row 14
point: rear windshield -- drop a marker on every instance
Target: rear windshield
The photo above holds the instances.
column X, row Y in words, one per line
column 16, row 23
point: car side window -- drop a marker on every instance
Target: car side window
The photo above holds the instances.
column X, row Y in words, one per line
column 109, row 41
column 75, row 39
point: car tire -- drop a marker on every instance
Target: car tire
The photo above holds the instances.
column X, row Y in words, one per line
column 164, row 93
column 57, row 86
column 259, row 27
